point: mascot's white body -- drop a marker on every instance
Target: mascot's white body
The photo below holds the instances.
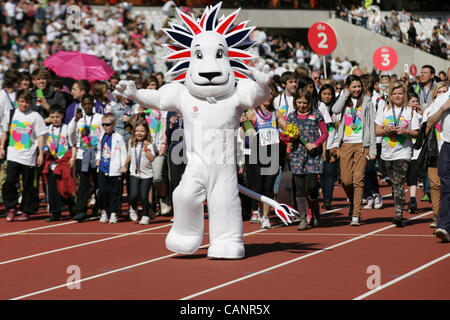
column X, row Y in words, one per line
column 211, row 102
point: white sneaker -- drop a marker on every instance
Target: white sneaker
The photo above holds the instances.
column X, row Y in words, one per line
column 256, row 217
column 369, row 204
column 378, row 201
column 442, row 234
column 364, row 201
column 265, row 223
column 113, row 218
column 165, row 208
column 104, row 217
column 145, row 220
column 133, row 215
column 355, row 221
column 92, row 200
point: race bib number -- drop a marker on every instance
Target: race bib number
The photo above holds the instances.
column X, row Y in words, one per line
column 268, row 136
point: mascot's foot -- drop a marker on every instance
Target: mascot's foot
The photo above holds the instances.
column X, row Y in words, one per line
column 226, row 250
column 183, row 244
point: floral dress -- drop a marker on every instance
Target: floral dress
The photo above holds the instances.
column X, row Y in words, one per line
column 302, row 161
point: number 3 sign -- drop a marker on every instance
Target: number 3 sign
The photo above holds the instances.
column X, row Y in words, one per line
column 385, row 58
column 322, row 38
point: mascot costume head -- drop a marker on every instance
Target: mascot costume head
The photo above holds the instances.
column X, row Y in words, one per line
column 211, row 87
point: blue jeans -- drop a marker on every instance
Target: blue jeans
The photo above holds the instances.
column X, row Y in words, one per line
column 443, row 219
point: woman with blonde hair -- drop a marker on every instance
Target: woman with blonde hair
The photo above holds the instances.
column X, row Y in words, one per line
column 397, row 123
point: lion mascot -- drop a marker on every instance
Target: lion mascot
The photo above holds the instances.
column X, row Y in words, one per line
column 211, row 88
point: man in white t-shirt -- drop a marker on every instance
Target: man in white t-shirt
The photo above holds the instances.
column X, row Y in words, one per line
column 284, row 102
column 440, row 111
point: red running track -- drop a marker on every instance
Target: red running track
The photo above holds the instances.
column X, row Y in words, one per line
column 129, row 261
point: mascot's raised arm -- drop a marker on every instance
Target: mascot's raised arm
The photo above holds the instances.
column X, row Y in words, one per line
column 216, row 91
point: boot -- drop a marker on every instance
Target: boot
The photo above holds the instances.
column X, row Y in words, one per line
column 315, row 209
column 398, row 220
column 412, row 208
column 302, row 208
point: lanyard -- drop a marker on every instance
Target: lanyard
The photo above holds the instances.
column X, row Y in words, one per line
column 138, row 157
column 88, row 129
column 13, row 106
column 56, row 142
column 354, row 114
column 426, row 94
column 287, row 104
column 397, row 120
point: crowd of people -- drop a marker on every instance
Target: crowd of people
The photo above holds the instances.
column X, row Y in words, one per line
column 94, row 150
column 389, row 26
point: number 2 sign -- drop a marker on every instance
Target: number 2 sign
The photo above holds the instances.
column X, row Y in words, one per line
column 322, row 38
column 385, row 58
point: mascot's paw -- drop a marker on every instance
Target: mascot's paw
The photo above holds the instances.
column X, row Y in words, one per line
column 126, row 89
column 226, row 250
column 183, row 244
column 262, row 75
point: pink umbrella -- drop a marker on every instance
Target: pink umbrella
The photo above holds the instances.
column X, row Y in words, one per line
column 77, row 65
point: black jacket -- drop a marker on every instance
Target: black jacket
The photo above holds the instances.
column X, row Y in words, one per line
column 429, row 154
column 52, row 97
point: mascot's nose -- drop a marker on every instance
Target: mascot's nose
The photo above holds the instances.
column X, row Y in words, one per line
column 210, row 75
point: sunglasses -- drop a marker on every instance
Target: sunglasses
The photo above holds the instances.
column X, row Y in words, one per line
column 107, row 124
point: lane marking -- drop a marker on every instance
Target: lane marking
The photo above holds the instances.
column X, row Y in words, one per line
column 113, row 271
column 39, row 228
column 406, row 275
column 293, row 260
column 207, row 233
column 80, row 245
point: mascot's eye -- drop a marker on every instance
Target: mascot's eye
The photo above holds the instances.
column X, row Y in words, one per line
column 219, row 54
column 198, row 55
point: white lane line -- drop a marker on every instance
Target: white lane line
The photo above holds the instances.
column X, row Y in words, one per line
column 390, row 283
column 292, row 261
column 81, row 245
column 112, row 271
column 40, row 228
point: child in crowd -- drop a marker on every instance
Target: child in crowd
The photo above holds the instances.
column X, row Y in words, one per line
column 26, row 140
column 86, row 130
column 371, row 196
column 110, row 159
column 141, row 155
column 264, row 148
column 59, row 161
column 79, row 89
column 306, row 155
column 44, row 96
column 330, row 159
column 356, row 139
column 397, row 123
column 101, row 94
column 412, row 176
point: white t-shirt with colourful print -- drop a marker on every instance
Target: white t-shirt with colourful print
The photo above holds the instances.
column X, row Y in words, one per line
column 24, row 130
column 398, row 147
column 58, row 142
column 330, row 119
column 155, row 119
column 353, row 134
column 88, row 131
column 284, row 104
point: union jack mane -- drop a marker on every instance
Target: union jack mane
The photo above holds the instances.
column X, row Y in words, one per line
column 236, row 37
